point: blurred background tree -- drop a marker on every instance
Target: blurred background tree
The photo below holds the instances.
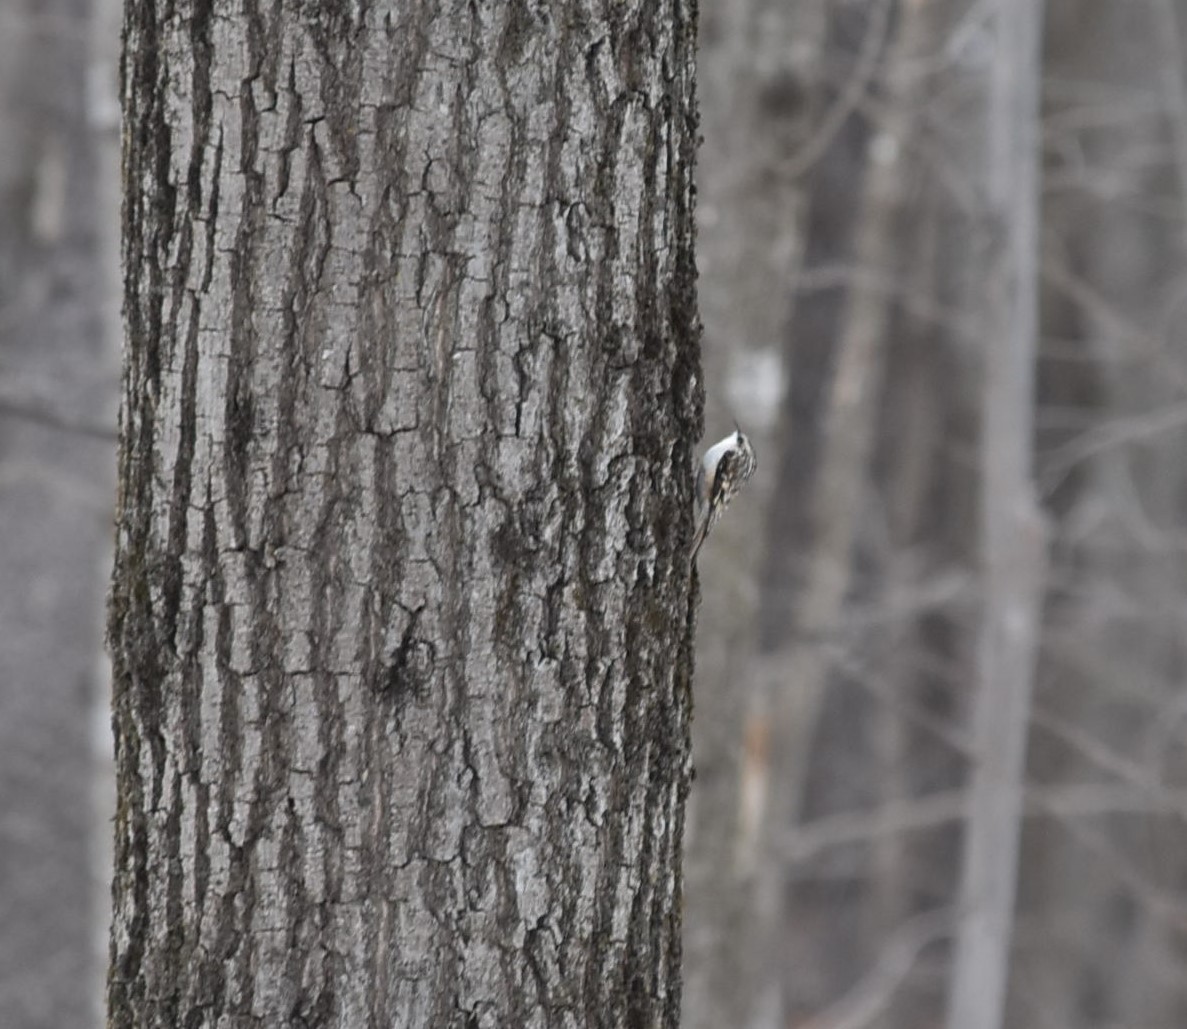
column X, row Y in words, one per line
column 849, row 243
column 59, row 309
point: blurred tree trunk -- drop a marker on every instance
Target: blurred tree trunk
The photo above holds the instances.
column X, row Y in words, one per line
column 401, row 614
column 1012, row 533
column 57, row 396
column 838, row 348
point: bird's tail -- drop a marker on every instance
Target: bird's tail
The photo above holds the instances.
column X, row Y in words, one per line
column 699, row 536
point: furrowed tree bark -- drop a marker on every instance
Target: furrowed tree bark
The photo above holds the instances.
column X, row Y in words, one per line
column 401, row 611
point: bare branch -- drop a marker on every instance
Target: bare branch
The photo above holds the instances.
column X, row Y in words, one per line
column 871, row 996
column 835, row 118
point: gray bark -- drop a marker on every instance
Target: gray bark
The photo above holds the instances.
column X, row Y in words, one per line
column 401, row 613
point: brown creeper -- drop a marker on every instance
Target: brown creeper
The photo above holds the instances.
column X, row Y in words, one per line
column 724, row 470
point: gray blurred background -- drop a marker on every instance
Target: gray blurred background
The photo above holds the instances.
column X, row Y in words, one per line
column 59, row 303
column 847, row 248
column 848, row 243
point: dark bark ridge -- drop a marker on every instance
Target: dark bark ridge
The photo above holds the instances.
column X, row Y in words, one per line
column 401, row 615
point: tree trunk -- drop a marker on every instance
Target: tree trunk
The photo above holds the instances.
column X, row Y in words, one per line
column 1013, row 545
column 401, row 614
